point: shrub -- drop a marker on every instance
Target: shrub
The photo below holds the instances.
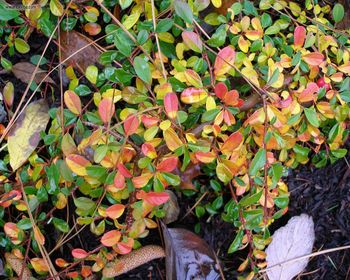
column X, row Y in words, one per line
column 244, row 95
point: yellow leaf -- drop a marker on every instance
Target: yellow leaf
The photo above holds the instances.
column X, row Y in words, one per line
column 217, row 3
column 25, row 134
column 131, row 20
column 251, row 75
column 56, row 8
column 171, row 139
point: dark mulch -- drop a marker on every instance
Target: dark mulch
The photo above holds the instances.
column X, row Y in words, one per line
column 325, row 195
column 322, row 193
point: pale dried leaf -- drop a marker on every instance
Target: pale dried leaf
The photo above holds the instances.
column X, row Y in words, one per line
column 132, row 260
column 18, row 265
column 80, row 48
column 188, row 256
column 171, row 208
column 25, row 134
column 24, row 70
column 294, row 240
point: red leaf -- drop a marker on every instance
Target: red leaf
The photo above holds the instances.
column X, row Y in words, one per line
column 299, row 36
column 171, row 104
column 131, row 124
column 168, row 164
column 111, row 238
column 123, row 170
column 231, row 143
column 79, row 253
column 119, row 180
column 313, row 59
column 220, row 90
column 106, row 110
column 115, row 211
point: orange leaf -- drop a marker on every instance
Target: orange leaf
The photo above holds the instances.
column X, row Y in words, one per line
column 232, row 142
column 39, row 237
column 124, row 248
column 79, row 253
column 168, row 164
column 156, row 198
column 224, row 60
column 119, row 180
column 106, row 109
column 142, row 180
column 193, row 95
column 148, row 150
column 171, row 104
column 115, row 211
column 131, row 124
column 111, row 238
column 314, row 58
column 61, row 263
column 86, row 271
column 72, row 101
column 77, row 164
column 308, row 94
column 205, row 157
column 299, row 36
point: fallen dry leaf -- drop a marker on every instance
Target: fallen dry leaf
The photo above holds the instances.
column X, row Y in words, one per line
column 134, row 259
column 192, row 171
column 171, row 208
column 24, row 70
column 17, row 266
column 25, row 134
column 294, row 240
column 188, row 256
column 75, row 44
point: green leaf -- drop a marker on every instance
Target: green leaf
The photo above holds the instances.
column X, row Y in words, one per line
column 266, row 20
column 96, row 171
column 249, row 200
column 21, row 46
column 164, row 25
column 338, row 12
column 24, row 224
column 340, row 153
column 258, row 162
column 84, row 203
column 236, row 242
column 172, row 179
column 272, row 30
column 210, row 115
column 60, row 224
column 184, row 11
column 142, row 70
column 219, row 37
column 236, row 8
column 82, row 90
column 7, row 13
column 311, row 116
column 274, row 77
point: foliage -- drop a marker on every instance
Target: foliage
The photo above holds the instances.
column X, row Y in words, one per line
column 162, row 90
